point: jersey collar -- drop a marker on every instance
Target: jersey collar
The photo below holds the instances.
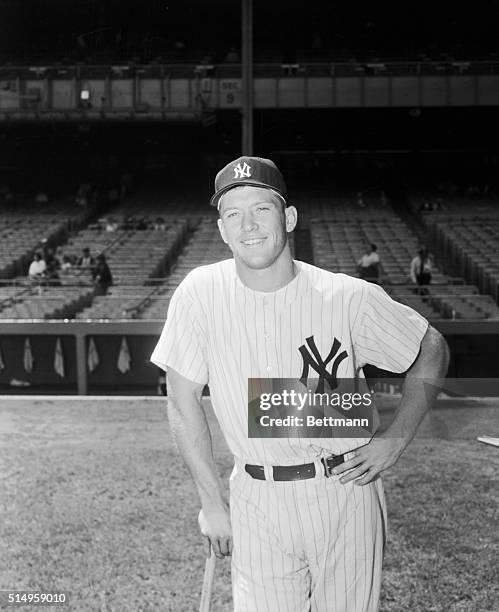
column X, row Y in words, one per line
column 293, row 290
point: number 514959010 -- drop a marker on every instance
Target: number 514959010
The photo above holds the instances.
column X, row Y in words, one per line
column 35, row 598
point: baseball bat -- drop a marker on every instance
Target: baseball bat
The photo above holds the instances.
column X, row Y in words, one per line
column 209, row 574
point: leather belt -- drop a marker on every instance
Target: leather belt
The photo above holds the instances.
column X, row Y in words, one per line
column 294, row 472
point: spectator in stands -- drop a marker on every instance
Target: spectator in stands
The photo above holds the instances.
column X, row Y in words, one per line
column 102, row 276
column 86, row 261
column 369, row 264
column 66, row 264
column 431, row 205
column 159, row 224
column 421, row 268
column 111, row 225
column 59, row 256
column 50, row 258
column 37, row 268
column 52, row 273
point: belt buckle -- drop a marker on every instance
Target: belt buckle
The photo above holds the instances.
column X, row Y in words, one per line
column 326, row 467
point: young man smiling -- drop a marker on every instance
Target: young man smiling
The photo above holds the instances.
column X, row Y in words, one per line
column 254, row 222
column 306, row 524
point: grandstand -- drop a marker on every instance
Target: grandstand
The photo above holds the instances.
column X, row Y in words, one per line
column 339, row 238
column 133, row 287
column 45, row 303
column 133, row 255
column 21, row 233
column 469, row 241
column 147, row 264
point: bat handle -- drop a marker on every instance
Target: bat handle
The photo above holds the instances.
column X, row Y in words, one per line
column 209, row 574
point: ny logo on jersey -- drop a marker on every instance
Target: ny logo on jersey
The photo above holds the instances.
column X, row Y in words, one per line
column 312, row 359
column 243, row 171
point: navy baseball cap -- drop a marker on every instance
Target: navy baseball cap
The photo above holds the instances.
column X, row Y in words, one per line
column 254, row 171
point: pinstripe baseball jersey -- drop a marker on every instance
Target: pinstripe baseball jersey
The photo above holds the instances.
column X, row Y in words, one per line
column 220, row 332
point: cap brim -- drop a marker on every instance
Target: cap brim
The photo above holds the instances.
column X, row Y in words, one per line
column 215, row 199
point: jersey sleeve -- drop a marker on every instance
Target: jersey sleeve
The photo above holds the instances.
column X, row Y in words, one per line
column 182, row 344
column 386, row 334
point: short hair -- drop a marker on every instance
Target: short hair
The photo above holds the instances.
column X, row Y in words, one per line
column 374, row 247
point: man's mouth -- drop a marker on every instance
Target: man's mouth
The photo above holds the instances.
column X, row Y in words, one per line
column 253, row 241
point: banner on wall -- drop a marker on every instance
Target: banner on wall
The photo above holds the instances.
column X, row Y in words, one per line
column 93, row 356
column 59, row 359
column 124, row 357
column 28, row 360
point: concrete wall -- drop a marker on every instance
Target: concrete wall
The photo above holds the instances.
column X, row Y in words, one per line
column 473, row 354
column 143, row 95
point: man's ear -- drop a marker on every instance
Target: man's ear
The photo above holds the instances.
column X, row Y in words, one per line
column 221, row 229
column 291, row 218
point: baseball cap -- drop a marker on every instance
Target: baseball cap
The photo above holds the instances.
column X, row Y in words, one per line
column 254, row 171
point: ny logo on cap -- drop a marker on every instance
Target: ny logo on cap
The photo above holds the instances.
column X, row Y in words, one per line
column 243, row 171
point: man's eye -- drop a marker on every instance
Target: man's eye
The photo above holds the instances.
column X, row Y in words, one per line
column 260, row 208
column 231, row 214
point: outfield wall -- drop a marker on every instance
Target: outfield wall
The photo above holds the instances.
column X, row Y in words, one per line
column 474, row 354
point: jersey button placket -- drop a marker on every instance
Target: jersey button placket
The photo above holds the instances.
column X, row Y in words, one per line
column 266, row 335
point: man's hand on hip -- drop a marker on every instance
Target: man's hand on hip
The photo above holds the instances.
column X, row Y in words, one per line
column 215, row 526
column 370, row 460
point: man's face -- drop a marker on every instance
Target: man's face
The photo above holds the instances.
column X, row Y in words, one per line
column 254, row 223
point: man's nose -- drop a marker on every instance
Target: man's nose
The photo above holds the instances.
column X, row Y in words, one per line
column 249, row 221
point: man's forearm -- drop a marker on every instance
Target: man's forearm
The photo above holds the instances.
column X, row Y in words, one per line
column 422, row 385
column 411, row 411
column 192, row 435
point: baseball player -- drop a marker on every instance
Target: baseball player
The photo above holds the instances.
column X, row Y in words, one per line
column 306, row 522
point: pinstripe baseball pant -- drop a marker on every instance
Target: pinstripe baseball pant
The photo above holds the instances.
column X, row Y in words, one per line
column 311, row 545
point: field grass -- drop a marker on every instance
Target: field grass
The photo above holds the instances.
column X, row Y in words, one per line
column 94, row 500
